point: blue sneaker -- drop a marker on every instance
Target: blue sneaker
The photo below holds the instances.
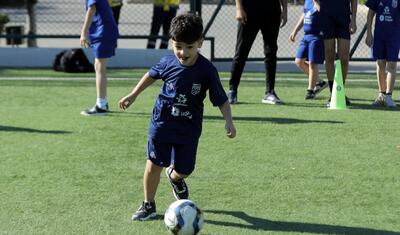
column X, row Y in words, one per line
column 145, row 212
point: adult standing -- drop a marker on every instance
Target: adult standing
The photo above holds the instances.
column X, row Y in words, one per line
column 338, row 22
column 163, row 13
column 253, row 16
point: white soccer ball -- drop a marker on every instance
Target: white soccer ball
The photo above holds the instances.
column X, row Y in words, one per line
column 184, row 217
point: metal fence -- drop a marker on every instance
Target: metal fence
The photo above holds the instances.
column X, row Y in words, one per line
column 58, row 24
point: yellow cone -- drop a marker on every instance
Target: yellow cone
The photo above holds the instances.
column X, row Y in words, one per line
column 338, row 98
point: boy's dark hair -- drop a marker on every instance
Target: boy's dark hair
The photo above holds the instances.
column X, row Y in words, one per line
column 186, row 28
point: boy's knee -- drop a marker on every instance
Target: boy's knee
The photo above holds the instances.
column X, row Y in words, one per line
column 298, row 62
column 391, row 67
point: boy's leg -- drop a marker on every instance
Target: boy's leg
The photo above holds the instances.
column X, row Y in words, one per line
column 313, row 75
column 344, row 55
column 381, row 75
column 391, row 77
column 101, row 107
column 330, row 55
column 151, row 179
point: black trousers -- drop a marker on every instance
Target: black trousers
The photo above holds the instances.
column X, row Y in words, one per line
column 246, row 35
column 161, row 18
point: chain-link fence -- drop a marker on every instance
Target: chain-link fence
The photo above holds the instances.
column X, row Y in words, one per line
column 57, row 23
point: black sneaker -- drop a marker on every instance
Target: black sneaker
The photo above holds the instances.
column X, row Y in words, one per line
column 95, row 111
column 319, row 86
column 179, row 188
column 232, row 97
column 348, row 102
column 145, row 212
column 310, row 95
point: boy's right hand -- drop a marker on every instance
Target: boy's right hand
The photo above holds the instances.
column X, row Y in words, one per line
column 368, row 40
column 126, row 101
column 293, row 36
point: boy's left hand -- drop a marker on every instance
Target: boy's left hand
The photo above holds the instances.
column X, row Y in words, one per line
column 230, row 130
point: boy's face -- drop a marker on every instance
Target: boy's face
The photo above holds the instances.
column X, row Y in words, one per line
column 186, row 52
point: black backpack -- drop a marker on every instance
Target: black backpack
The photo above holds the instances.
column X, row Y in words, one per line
column 72, row 61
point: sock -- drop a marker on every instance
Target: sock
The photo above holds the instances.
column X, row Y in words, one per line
column 101, row 102
column 383, row 92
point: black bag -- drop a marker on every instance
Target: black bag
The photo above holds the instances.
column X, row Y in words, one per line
column 72, row 61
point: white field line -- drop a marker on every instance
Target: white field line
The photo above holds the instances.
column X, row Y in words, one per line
column 134, row 79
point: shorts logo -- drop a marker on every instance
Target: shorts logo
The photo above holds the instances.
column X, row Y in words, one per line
column 196, row 88
column 394, row 3
column 152, row 155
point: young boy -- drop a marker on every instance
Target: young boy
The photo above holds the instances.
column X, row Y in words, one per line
column 311, row 48
column 100, row 32
column 177, row 116
column 385, row 46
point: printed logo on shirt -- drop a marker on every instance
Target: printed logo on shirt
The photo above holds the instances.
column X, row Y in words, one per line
column 394, row 3
column 170, row 86
column 175, row 111
column 196, row 88
column 181, row 99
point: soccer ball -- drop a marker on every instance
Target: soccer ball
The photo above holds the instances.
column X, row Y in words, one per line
column 183, row 217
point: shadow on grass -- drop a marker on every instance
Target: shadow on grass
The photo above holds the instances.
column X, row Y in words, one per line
column 30, row 130
column 273, row 120
column 257, row 224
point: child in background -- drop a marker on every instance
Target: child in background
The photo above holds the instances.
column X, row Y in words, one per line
column 100, row 32
column 176, row 121
column 385, row 46
column 311, row 48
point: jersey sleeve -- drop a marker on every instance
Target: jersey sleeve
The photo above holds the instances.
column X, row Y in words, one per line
column 372, row 4
column 216, row 91
column 91, row 3
column 157, row 70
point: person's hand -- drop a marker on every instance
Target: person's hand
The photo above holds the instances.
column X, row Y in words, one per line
column 368, row 40
column 317, row 5
column 230, row 130
column 241, row 16
column 84, row 40
column 292, row 36
column 353, row 26
column 126, row 101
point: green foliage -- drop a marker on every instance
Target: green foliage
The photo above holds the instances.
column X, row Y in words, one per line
column 4, row 19
column 298, row 168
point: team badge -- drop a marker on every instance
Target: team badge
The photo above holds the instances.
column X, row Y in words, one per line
column 394, row 3
column 196, row 88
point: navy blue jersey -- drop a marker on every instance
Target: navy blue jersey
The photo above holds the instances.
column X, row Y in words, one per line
column 387, row 21
column 311, row 18
column 103, row 27
column 178, row 112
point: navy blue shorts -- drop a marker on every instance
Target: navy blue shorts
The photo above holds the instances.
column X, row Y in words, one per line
column 104, row 49
column 182, row 156
column 384, row 49
column 312, row 49
column 335, row 27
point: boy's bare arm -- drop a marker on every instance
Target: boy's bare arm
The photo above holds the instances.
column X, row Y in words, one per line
column 284, row 12
column 353, row 23
column 297, row 28
column 86, row 24
column 227, row 114
column 145, row 82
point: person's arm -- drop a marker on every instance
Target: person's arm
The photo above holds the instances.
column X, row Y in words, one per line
column 86, row 24
column 227, row 114
column 370, row 17
column 241, row 15
column 353, row 22
column 145, row 82
column 297, row 28
column 284, row 12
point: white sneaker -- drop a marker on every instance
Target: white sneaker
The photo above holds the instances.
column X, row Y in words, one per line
column 271, row 98
column 379, row 101
column 389, row 102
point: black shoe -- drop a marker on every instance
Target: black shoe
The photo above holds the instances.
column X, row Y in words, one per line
column 179, row 188
column 310, row 95
column 232, row 97
column 319, row 86
column 95, row 111
column 145, row 212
